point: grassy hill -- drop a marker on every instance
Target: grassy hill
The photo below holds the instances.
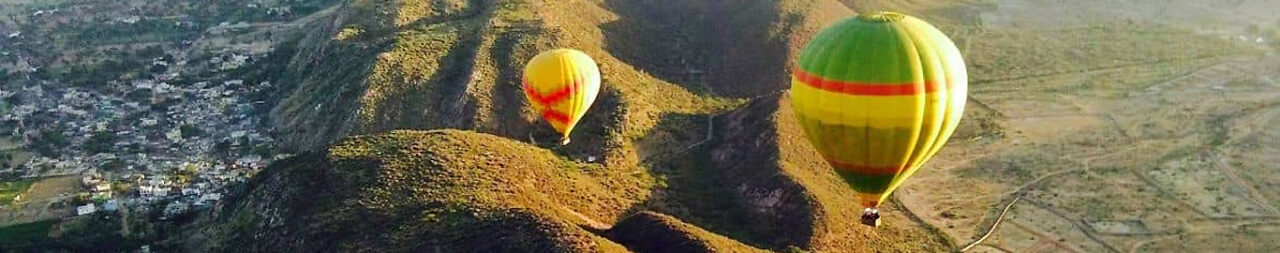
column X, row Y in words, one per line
column 694, row 147
column 443, row 189
column 419, row 191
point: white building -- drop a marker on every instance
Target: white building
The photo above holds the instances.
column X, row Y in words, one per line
column 102, row 187
column 153, row 191
column 86, row 209
column 130, row 19
column 89, row 181
column 209, row 199
column 175, row 208
column 144, row 85
column 174, row 135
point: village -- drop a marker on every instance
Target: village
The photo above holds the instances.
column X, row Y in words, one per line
column 135, row 119
column 179, row 145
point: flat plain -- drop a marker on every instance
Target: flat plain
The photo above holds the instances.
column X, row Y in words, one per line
column 1113, row 126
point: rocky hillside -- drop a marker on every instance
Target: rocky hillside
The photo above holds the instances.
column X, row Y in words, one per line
column 446, row 189
column 690, row 148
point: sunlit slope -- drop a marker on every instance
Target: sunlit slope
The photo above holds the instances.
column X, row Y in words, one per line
column 672, row 71
column 443, row 64
column 445, row 189
column 420, row 191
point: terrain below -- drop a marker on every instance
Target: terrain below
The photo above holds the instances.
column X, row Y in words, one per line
column 1092, row 134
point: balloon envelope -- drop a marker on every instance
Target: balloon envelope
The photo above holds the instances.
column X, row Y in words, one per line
column 877, row 96
column 561, row 84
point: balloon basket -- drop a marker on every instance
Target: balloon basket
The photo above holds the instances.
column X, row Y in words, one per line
column 871, row 217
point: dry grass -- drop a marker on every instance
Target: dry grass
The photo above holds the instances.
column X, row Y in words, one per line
column 443, row 64
column 1122, row 134
column 463, row 190
column 9, row 190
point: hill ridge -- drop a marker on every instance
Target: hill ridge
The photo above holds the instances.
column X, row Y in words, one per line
column 376, row 67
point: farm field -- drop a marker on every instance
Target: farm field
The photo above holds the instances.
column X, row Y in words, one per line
column 38, row 199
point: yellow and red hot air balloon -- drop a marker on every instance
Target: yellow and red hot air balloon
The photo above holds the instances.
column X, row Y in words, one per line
column 561, row 84
column 877, row 96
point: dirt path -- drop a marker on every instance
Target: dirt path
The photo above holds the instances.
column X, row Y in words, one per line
column 1046, row 238
column 124, row 220
column 994, row 226
column 280, row 25
column 588, row 221
column 1077, row 223
column 1021, row 191
column 1252, row 192
column 1085, row 71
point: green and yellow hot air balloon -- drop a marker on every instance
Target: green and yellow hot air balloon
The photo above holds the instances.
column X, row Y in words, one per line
column 561, row 84
column 877, row 96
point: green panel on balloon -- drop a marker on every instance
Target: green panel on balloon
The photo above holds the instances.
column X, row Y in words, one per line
column 866, row 183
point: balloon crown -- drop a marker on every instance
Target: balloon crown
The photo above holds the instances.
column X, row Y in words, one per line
column 881, row 16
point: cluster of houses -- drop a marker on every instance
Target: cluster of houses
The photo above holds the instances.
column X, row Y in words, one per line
column 100, row 195
column 154, row 151
column 176, row 197
column 173, row 147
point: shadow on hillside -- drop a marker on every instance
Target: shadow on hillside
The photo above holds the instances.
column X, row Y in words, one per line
column 701, row 189
column 319, row 97
column 734, row 48
column 594, row 136
column 441, row 100
column 597, row 132
column 751, row 53
column 511, row 49
column 664, row 39
column 747, row 159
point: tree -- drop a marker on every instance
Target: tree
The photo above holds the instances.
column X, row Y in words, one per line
column 189, row 130
column 139, row 95
column 5, row 158
column 222, row 147
column 101, row 142
column 112, row 165
column 158, row 68
column 49, row 143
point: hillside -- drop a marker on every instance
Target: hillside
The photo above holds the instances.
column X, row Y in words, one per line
column 448, row 189
column 692, row 145
column 643, row 173
column 420, row 191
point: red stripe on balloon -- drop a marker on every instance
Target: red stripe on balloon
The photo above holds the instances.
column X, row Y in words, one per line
column 549, row 99
column 553, row 115
column 865, row 89
column 857, row 168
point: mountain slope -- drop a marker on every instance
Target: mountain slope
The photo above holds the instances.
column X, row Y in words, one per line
column 792, row 194
column 423, row 191
column 689, row 137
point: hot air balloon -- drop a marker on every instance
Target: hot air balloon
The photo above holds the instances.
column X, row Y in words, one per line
column 561, row 84
column 878, row 95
